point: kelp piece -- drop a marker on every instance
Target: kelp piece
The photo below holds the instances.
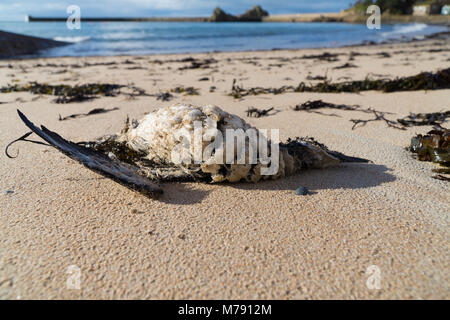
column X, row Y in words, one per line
column 319, row 104
column 188, row 91
column 258, row 113
column 122, row 173
column 434, row 147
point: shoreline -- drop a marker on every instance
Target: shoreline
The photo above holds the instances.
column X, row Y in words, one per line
column 320, row 17
column 440, row 35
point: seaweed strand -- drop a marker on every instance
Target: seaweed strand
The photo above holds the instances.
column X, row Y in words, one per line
column 22, row 138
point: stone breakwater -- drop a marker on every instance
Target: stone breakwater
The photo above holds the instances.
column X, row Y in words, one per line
column 13, row 45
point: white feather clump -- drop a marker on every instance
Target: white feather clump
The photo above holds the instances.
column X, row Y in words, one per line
column 158, row 135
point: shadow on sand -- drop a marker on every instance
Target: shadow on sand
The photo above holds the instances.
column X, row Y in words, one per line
column 346, row 176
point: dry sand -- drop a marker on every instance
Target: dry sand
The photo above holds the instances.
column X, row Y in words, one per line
column 228, row 241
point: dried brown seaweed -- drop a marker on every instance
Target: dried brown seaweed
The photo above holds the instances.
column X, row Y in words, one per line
column 321, row 78
column 425, row 119
column 422, row 81
column 420, row 119
column 379, row 116
column 90, row 113
column 319, row 104
column 441, row 177
column 346, row 66
column 198, row 64
column 314, row 106
column 77, row 93
column 189, row 91
column 326, row 56
column 163, row 96
column 257, row 113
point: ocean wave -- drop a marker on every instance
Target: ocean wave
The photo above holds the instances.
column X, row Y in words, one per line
column 405, row 29
column 71, row 39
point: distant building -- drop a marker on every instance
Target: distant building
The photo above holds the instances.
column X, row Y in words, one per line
column 27, row 18
column 445, row 10
column 425, row 9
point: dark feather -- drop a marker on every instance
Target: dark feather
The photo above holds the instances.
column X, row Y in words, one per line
column 100, row 163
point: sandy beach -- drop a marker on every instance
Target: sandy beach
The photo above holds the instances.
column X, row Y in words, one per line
column 228, row 241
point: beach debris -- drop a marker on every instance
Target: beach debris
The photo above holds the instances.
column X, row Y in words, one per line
column 188, row 91
column 77, row 93
column 434, row 147
column 413, row 119
column 7, row 192
column 346, row 66
column 422, row 81
column 85, row 64
column 136, row 68
column 326, row 56
column 441, row 177
column 379, row 116
column 204, row 79
column 198, row 64
column 90, row 113
column 313, row 106
column 301, row 191
column 425, row 119
column 163, row 96
column 257, row 113
column 22, row 138
column 384, row 54
column 144, row 151
column 319, row 104
column 314, row 78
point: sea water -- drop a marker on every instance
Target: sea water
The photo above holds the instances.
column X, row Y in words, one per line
column 135, row 38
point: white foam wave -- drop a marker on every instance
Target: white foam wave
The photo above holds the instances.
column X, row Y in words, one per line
column 405, row 29
column 71, row 39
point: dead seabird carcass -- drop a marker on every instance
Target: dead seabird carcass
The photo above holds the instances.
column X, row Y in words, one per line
column 189, row 143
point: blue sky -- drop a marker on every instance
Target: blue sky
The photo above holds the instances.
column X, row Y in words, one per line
column 16, row 9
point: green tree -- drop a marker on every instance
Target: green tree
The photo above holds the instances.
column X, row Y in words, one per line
column 393, row 6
